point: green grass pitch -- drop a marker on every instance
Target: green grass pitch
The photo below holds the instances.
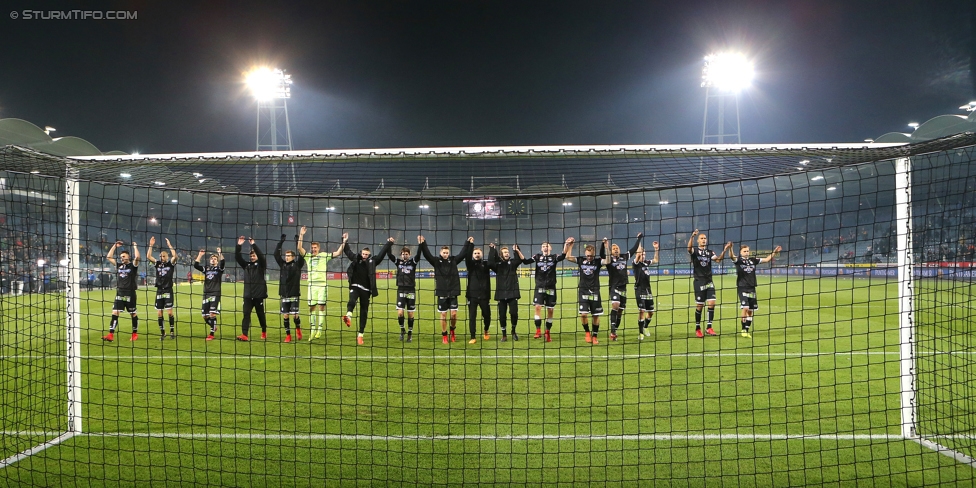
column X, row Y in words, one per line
column 811, row 399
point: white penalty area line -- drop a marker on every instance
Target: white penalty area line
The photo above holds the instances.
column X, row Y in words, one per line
column 499, row 438
column 472, row 357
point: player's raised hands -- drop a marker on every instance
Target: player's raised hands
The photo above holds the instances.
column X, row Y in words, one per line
column 250, row 240
column 515, row 247
column 301, row 232
column 119, row 243
column 570, row 240
column 491, row 245
column 240, row 241
column 218, row 251
column 695, row 233
column 656, row 245
column 778, row 249
column 728, row 245
column 471, row 240
column 391, row 240
column 345, row 236
column 640, row 234
column 420, row 239
column 152, row 241
column 167, row 243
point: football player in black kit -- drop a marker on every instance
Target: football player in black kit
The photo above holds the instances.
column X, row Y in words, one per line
column 545, row 286
column 165, row 268
column 362, row 283
column 125, row 298
column 255, row 286
column 478, row 292
column 704, row 289
column 406, row 281
column 447, row 282
column 745, row 283
column 642, row 287
column 590, row 302
column 507, row 292
column 617, row 268
column 212, row 275
column 290, row 285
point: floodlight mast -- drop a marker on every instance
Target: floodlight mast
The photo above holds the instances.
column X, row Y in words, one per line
column 271, row 89
column 724, row 75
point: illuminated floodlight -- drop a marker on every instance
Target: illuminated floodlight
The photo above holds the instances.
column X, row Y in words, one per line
column 159, row 183
column 425, row 206
column 969, row 107
column 805, row 162
column 125, row 175
column 152, row 220
column 48, row 129
column 64, row 262
column 913, row 125
column 816, row 178
column 727, row 71
column 266, row 83
column 832, row 188
column 663, row 202
column 41, row 262
column 567, row 204
column 35, row 172
column 869, row 140
column 175, row 201
column 198, row 174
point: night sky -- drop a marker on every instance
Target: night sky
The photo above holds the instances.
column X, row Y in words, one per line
column 473, row 73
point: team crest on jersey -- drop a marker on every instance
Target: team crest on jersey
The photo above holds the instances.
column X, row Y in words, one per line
column 588, row 269
column 124, row 271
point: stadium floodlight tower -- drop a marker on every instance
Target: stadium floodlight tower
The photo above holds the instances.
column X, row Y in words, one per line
column 723, row 77
column 271, row 89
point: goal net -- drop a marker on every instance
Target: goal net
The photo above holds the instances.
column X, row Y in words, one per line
column 849, row 358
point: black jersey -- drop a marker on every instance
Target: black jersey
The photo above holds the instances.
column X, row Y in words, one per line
column 545, row 269
column 164, row 275
column 745, row 273
column 255, row 284
column 128, row 273
column 212, row 276
column 642, row 278
column 447, row 280
column 617, row 266
column 589, row 279
column 701, row 260
column 406, row 277
column 290, row 277
column 506, row 275
column 479, row 278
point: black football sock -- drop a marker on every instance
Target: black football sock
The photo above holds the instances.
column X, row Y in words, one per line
column 698, row 315
column 172, row 324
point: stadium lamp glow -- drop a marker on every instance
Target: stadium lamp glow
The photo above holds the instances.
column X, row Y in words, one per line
column 727, row 71
column 266, row 83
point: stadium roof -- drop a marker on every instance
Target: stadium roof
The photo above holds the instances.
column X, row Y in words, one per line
column 934, row 128
column 449, row 173
column 19, row 132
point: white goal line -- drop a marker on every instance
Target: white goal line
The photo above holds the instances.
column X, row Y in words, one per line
column 369, row 357
column 498, row 438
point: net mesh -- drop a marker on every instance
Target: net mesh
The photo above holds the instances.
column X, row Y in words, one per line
column 812, row 395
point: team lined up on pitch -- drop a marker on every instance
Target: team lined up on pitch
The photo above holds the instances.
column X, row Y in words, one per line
column 361, row 275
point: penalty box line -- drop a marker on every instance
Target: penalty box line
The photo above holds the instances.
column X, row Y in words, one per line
column 489, row 438
column 369, row 357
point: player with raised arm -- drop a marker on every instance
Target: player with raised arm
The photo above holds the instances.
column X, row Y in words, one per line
column 642, row 287
column 701, row 260
column 290, row 285
column 478, row 292
column 507, row 291
column 619, row 278
column 165, row 269
column 745, row 282
column 317, row 282
column 362, row 283
column 406, row 281
column 545, row 287
column 255, row 286
column 589, row 299
column 125, row 297
column 447, row 282
column 212, row 275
